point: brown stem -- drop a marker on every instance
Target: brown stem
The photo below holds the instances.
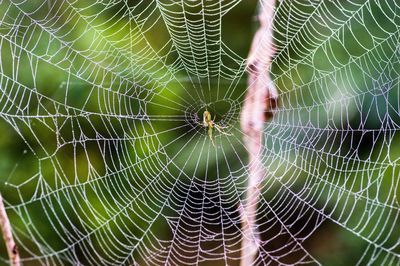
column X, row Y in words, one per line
column 260, row 101
column 12, row 249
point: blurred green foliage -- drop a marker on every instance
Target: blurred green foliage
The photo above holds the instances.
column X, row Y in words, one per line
column 320, row 88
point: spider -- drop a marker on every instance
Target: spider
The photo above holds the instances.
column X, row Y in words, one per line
column 210, row 124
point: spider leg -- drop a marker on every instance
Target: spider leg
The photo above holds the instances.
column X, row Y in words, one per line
column 210, row 136
column 222, row 127
column 220, row 130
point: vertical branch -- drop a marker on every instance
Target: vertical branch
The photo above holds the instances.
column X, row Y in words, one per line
column 12, row 249
column 260, row 101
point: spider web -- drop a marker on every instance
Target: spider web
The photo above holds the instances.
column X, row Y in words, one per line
column 108, row 97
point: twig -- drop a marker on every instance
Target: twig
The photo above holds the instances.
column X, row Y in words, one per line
column 260, row 101
column 12, row 249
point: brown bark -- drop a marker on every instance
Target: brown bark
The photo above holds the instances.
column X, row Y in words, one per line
column 12, row 249
column 260, row 101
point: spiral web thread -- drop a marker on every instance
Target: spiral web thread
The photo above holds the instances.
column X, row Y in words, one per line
column 123, row 173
